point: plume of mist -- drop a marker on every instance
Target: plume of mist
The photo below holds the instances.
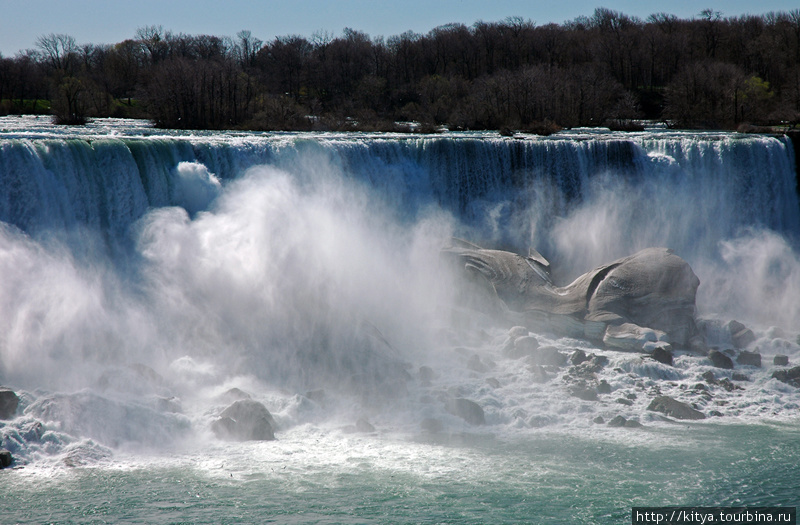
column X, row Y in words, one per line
column 296, row 279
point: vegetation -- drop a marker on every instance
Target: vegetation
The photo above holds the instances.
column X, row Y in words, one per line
column 608, row 69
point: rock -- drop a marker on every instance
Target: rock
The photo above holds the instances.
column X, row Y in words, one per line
column 632, row 423
column 467, row 410
column 431, row 425
column 749, row 358
column 618, row 421
column 5, row 458
column 578, row 357
column 790, row 376
column 583, row 392
column 9, row 401
column 741, row 336
column 233, row 394
column 517, row 331
column 715, row 413
column 317, row 396
column 493, row 382
column 540, row 375
column 362, row 425
column 662, row 355
column 720, row 360
column 522, row 347
column 548, row 356
column 474, row 363
column 603, row 387
column 780, row 360
column 245, row 420
column 709, row 377
column 673, row 408
column 623, row 401
column 598, row 420
column 738, row 376
column 652, row 291
column 632, row 337
column 426, row 375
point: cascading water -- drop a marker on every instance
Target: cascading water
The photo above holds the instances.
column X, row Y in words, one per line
column 143, row 274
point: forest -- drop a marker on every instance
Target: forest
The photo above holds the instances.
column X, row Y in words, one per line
column 608, row 69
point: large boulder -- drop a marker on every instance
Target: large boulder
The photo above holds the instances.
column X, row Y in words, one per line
column 9, row 401
column 646, row 298
column 245, row 420
column 674, row 408
column 469, row 411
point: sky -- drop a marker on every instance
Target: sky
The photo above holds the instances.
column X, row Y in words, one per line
column 112, row 21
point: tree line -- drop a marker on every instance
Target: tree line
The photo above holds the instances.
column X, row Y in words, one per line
column 607, row 69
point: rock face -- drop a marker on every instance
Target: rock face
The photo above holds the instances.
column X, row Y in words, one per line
column 674, row 408
column 245, row 420
column 8, row 403
column 648, row 297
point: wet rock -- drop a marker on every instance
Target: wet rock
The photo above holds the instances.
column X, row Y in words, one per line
column 727, row 385
column 598, row 420
column 623, row 401
column 432, row 425
column 715, row 413
column 9, row 401
column 738, row 376
column 493, row 382
column 426, row 375
column 522, row 347
column 709, row 377
column 245, row 420
column 517, row 331
column 674, row 408
column 476, row 365
column 617, row 421
column 467, row 410
column 720, row 360
column 741, row 336
column 662, row 355
column 603, row 387
column 790, row 376
column 749, row 358
column 548, row 356
column 583, row 392
column 632, row 423
column 588, row 368
column 5, row 458
column 364, row 426
column 578, row 357
column 233, row 394
column 317, row 396
column 540, row 375
column 780, row 360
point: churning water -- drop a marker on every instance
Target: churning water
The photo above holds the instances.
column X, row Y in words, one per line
column 144, row 274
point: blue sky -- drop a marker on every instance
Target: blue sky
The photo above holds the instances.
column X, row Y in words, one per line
column 111, row 21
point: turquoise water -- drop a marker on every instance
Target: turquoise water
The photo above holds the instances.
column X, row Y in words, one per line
column 543, row 478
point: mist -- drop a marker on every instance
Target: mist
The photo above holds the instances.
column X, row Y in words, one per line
column 299, row 281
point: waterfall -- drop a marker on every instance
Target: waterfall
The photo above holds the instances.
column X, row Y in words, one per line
column 566, row 196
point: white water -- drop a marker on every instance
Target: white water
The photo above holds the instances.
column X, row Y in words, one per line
column 145, row 273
